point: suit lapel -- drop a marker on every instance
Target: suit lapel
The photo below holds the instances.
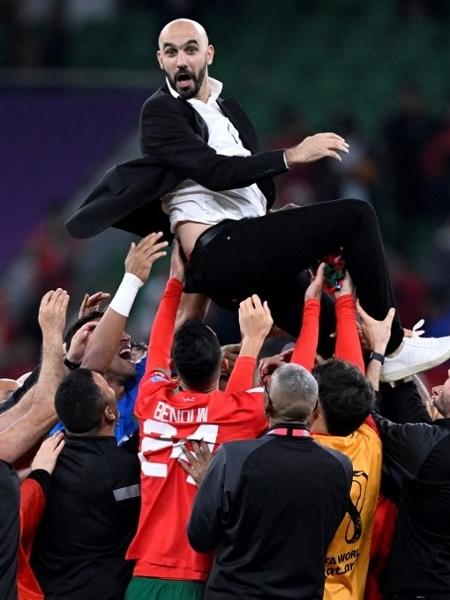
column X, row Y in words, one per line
column 234, row 112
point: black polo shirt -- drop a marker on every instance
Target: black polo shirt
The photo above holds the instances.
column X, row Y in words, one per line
column 90, row 518
column 269, row 508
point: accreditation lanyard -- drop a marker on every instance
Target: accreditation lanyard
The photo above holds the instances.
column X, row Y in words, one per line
column 289, row 432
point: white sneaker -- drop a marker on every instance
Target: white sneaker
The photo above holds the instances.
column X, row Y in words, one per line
column 416, row 354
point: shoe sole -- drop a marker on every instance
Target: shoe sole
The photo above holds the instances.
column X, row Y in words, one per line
column 414, row 369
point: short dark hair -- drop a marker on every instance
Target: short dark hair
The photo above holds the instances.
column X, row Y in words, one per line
column 95, row 315
column 79, row 402
column 196, row 353
column 345, row 396
column 17, row 395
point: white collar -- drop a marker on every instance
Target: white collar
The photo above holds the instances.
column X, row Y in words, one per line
column 215, row 87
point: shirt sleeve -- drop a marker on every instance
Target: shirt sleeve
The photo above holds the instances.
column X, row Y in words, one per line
column 405, row 448
column 167, row 135
column 348, row 345
column 242, row 375
column 33, row 491
column 306, row 345
column 161, row 335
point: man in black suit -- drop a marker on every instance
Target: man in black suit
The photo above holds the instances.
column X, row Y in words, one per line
column 201, row 168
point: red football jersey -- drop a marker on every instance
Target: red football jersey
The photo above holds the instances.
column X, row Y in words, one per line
column 168, row 417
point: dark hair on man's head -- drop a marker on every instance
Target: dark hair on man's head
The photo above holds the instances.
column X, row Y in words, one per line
column 17, row 395
column 79, row 402
column 345, row 396
column 95, row 315
column 196, row 354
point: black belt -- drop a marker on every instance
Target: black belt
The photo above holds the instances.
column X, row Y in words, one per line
column 207, row 236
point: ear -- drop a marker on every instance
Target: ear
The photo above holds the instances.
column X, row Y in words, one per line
column 268, row 406
column 159, row 59
column 224, row 366
column 110, row 415
column 210, row 55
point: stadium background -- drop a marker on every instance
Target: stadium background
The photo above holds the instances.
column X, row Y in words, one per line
column 74, row 74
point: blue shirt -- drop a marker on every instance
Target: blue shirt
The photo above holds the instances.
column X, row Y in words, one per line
column 127, row 423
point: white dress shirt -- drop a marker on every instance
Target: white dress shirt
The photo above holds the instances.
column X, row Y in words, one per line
column 190, row 201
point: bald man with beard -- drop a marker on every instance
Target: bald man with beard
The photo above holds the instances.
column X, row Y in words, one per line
column 203, row 179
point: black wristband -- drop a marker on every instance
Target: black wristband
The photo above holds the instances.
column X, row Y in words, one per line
column 71, row 365
column 376, row 356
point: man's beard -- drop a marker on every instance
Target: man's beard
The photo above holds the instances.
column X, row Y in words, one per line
column 197, row 81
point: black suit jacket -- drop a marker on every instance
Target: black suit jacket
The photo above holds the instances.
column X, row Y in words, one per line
column 174, row 142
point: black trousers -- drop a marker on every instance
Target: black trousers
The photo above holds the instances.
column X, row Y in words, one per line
column 269, row 255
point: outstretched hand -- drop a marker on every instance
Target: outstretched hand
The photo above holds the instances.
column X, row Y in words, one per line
column 376, row 332
column 80, row 341
column 346, row 286
column 255, row 318
column 269, row 364
column 52, row 311
column 141, row 256
column 230, row 352
column 315, row 147
column 91, row 303
column 314, row 289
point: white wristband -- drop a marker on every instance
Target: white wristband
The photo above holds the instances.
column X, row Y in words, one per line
column 126, row 293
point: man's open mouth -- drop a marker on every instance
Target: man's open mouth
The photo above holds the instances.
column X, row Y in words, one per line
column 183, row 79
column 125, row 353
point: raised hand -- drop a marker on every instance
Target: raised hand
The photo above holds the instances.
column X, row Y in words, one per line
column 52, row 311
column 315, row 147
column 346, row 286
column 230, row 352
column 314, row 289
column 141, row 256
column 268, row 365
column 80, row 341
column 91, row 303
column 376, row 332
column 255, row 318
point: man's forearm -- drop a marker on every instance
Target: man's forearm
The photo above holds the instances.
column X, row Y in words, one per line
column 51, row 373
column 192, row 306
column 161, row 334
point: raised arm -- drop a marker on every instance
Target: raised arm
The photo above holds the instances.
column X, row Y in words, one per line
column 162, row 330
column 167, row 134
column 306, row 345
column 105, row 338
column 27, row 431
column 255, row 321
column 348, row 345
column 377, row 334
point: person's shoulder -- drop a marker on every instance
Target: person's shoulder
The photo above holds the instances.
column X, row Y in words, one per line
column 338, row 457
column 243, row 448
column 161, row 100
column 124, row 458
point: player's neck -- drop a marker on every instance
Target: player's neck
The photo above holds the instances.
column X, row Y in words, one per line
column 212, row 387
column 318, row 424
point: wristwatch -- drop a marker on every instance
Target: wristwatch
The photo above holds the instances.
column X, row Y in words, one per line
column 71, row 365
column 376, row 356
